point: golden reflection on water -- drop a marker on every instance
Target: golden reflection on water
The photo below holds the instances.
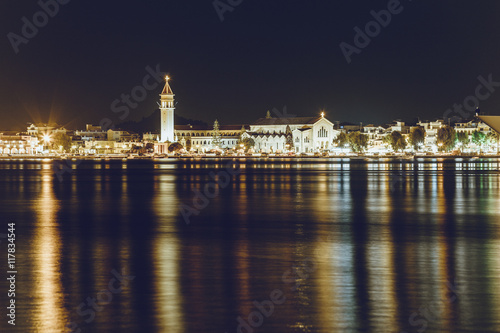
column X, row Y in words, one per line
column 444, row 274
column 380, row 259
column 50, row 315
column 166, row 256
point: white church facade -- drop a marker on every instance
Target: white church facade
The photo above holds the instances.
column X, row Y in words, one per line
column 308, row 134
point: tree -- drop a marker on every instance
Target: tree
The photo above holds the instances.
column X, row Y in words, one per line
column 446, row 138
column 341, row 140
column 417, row 137
column 478, row 137
column 357, row 141
column 216, row 137
column 136, row 149
column 462, row 138
column 493, row 138
column 175, row 147
column 248, row 143
column 242, row 131
column 62, row 140
column 396, row 140
column 289, row 137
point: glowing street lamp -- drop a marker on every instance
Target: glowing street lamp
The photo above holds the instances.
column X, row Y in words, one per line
column 46, row 139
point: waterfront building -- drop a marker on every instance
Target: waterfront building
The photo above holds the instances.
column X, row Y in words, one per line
column 12, row 143
column 200, row 138
column 492, row 121
column 376, row 136
column 92, row 133
column 301, row 134
column 108, row 147
column 471, row 126
column 40, row 130
column 399, row 126
column 431, row 128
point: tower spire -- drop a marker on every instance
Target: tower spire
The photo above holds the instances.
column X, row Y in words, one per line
column 167, row 113
column 167, row 90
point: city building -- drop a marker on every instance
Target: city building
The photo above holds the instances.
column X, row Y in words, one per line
column 12, row 143
column 431, row 128
column 200, row 138
column 471, row 126
column 38, row 130
column 92, row 133
column 301, row 134
column 376, row 136
column 492, row 121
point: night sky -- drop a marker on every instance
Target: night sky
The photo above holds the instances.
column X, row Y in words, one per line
column 264, row 55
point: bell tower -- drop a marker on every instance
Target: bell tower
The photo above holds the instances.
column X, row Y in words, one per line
column 167, row 113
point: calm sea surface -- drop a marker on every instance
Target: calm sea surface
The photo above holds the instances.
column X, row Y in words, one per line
column 283, row 246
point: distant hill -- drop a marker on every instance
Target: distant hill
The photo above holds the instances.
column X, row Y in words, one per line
column 152, row 123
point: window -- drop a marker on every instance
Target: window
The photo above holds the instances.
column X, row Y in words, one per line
column 322, row 133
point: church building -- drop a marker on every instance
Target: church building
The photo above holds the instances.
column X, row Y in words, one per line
column 297, row 134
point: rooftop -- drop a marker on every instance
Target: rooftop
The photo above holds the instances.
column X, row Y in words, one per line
column 286, row 121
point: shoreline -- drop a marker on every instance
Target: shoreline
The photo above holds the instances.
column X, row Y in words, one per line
column 360, row 158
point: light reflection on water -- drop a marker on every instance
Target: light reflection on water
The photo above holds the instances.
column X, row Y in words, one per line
column 46, row 269
column 385, row 239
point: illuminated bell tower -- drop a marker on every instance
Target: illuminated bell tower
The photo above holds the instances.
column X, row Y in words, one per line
column 167, row 113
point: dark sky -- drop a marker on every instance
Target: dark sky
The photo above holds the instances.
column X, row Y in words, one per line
column 264, row 55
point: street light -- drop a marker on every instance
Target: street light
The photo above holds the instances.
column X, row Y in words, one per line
column 46, row 139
